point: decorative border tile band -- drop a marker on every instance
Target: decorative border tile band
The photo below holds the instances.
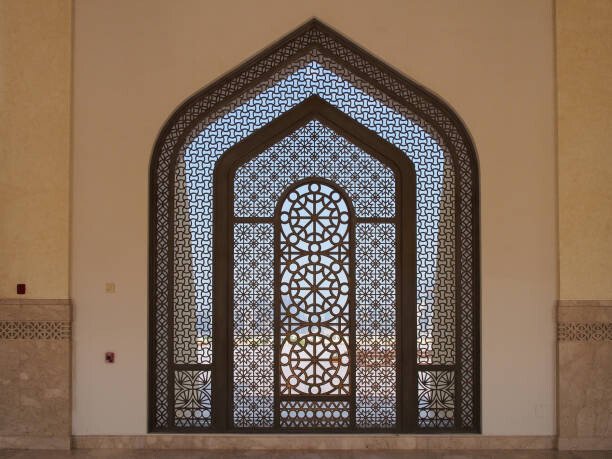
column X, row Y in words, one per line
column 592, row 331
column 34, row 330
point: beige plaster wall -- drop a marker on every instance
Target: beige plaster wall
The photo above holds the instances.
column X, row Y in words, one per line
column 135, row 61
column 584, row 79
column 584, row 82
column 35, row 79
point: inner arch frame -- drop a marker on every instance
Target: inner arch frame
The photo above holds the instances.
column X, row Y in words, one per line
column 314, row 108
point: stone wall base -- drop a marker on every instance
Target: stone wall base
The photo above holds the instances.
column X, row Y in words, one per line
column 315, row 442
column 34, row 442
column 305, row 441
column 585, row 444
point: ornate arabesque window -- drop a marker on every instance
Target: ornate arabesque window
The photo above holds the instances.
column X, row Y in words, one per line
column 314, row 251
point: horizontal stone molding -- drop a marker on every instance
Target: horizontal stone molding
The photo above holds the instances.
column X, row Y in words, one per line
column 35, row 318
column 315, row 442
column 34, row 442
column 35, row 301
column 585, row 444
column 584, row 311
column 585, row 303
column 578, row 331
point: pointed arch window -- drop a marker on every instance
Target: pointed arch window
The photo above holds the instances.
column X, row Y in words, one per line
column 314, row 251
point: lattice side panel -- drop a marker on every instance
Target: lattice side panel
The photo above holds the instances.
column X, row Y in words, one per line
column 253, row 330
column 376, row 287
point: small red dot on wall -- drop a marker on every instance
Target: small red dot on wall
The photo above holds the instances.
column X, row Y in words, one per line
column 21, row 289
column 109, row 357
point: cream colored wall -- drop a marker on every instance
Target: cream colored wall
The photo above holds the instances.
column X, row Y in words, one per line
column 135, row 61
column 35, row 78
column 584, row 79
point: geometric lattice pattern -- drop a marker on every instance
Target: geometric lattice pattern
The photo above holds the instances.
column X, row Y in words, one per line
column 253, row 331
column 315, row 61
column 192, row 398
column 315, row 414
column 314, row 346
column 376, row 384
column 34, row 330
column 435, row 196
column 589, row 331
column 436, row 400
column 315, row 306
column 314, row 151
column 192, row 316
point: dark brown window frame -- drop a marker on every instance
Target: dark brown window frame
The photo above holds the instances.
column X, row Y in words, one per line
column 439, row 118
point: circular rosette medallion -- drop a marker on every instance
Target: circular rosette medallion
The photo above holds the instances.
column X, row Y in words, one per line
column 315, row 288
column 315, row 361
column 314, row 218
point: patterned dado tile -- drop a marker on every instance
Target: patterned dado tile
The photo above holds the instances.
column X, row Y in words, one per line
column 35, row 372
column 585, row 374
column 35, row 319
column 593, row 331
column 34, row 330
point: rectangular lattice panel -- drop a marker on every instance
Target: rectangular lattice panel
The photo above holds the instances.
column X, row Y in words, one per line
column 314, row 414
column 192, row 398
column 436, row 399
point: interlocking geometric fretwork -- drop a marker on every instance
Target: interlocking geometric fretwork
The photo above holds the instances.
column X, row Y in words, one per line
column 335, row 159
column 316, row 61
column 436, row 398
column 192, row 398
column 435, row 183
column 16, row 329
column 376, row 376
column 314, row 151
column 315, row 414
column 315, row 304
column 192, row 293
column 253, row 362
column 584, row 331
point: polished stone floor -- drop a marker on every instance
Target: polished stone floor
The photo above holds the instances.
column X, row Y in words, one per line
column 172, row 454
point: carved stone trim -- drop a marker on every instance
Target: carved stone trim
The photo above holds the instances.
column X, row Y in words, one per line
column 593, row 331
column 35, row 301
column 584, row 311
column 56, row 330
column 587, row 303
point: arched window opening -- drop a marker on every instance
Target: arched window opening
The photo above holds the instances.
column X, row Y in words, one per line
column 229, row 352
